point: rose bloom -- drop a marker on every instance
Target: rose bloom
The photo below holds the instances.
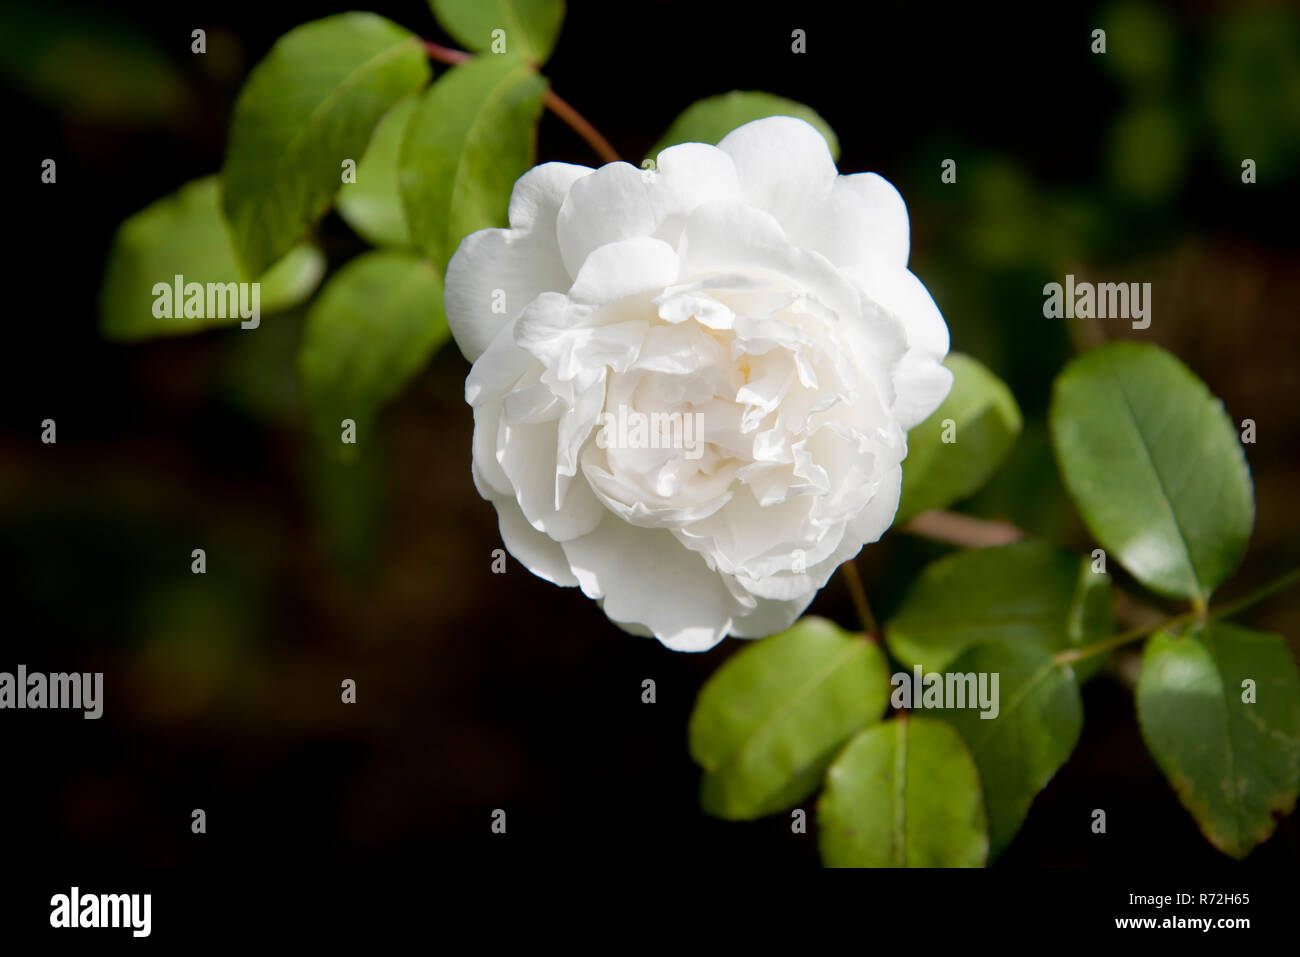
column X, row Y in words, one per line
column 746, row 287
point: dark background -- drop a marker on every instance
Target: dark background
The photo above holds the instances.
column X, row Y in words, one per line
column 479, row 691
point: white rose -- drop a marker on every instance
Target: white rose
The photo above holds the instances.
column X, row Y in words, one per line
column 747, row 284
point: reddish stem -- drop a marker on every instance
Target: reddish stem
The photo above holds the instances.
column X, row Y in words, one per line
column 444, row 54
column 580, row 125
column 560, row 107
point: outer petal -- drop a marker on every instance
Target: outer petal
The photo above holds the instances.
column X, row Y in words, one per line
column 921, row 383
column 770, row 617
column 488, row 477
column 784, row 166
column 620, row 202
column 900, row 292
column 644, row 576
column 539, row 553
column 874, row 520
column 522, row 261
column 537, row 197
column 864, row 219
column 527, row 453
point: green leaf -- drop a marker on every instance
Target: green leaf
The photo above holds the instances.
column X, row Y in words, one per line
column 710, row 119
column 1234, row 765
column 1039, row 717
column 309, row 106
column 903, row 794
column 1091, row 617
column 986, row 422
column 768, row 722
column 472, row 135
column 373, row 204
column 91, row 67
column 374, row 326
column 1153, row 464
column 531, row 26
column 182, row 234
column 1023, row 594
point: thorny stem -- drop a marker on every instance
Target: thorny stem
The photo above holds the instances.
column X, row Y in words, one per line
column 560, row 107
column 859, row 595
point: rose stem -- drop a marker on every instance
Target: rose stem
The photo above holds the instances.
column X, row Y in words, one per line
column 859, row 595
column 966, row 530
column 560, row 107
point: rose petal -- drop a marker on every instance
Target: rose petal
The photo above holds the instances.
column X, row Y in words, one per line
column 770, row 617
column 619, row 201
column 537, row 551
column 644, row 576
column 921, row 384
column 618, row 270
column 494, row 273
column 527, row 454
column 783, row 164
column 862, row 220
column 901, row 293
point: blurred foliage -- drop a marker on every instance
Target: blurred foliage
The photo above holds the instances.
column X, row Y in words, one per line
column 90, row 66
column 183, row 235
column 1194, row 98
column 1251, row 88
